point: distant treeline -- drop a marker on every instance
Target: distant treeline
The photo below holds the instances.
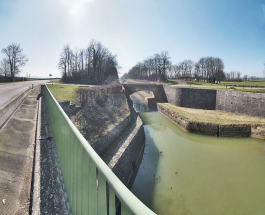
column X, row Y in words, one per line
column 10, row 79
column 94, row 64
column 160, row 68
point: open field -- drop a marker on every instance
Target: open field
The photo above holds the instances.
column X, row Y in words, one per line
column 63, row 92
column 218, row 87
column 214, row 116
column 228, row 83
column 245, row 83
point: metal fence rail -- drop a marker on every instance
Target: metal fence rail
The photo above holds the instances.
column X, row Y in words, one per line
column 90, row 185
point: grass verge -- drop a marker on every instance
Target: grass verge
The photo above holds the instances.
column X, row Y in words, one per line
column 63, row 92
column 213, row 116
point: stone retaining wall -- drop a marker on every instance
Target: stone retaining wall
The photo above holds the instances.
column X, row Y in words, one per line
column 191, row 98
column 234, row 130
column 127, row 162
column 252, row 104
column 102, row 143
column 230, row 101
column 156, row 89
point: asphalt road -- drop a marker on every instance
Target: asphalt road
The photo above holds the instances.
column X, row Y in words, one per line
column 9, row 91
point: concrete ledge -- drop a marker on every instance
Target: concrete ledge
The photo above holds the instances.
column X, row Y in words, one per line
column 212, row 129
column 7, row 111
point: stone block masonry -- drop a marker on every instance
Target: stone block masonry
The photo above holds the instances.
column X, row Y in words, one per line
column 103, row 142
column 234, row 130
column 191, row 98
column 252, row 104
column 122, row 156
column 157, row 90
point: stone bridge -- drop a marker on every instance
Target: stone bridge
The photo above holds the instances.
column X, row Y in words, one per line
column 157, row 89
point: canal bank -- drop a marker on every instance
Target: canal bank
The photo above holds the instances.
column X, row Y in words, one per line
column 198, row 174
column 214, row 122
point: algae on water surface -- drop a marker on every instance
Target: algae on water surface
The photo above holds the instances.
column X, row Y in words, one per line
column 198, row 174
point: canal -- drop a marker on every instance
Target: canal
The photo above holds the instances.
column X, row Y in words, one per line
column 199, row 175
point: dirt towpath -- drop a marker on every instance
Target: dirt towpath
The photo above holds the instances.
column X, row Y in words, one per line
column 17, row 139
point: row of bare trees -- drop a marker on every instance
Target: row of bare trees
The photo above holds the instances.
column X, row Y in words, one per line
column 155, row 68
column 94, row 64
column 234, row 76
column 10, row 65
column 159, row 68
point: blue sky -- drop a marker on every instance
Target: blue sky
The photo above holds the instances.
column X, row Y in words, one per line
column 233, row 30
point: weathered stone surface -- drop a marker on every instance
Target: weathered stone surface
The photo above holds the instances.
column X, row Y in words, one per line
column 203, row 128
column 240, row 102
column 123, row 153
column 258, row 131
column 235, row 130
column 191, row 98
column 230, row 101
column 103, row 142
column 156, row 89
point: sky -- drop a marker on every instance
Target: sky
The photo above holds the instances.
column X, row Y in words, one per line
column 233, row 30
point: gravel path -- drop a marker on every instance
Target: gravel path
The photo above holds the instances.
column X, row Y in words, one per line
column 49, row 196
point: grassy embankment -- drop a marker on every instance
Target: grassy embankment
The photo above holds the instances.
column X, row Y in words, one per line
column 63, row 92
column 214, row 116
column 97, row 117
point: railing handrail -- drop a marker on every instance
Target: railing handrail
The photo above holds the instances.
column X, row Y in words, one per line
column 127, row 198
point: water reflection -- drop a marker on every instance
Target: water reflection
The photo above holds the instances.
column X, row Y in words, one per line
column 199, row 174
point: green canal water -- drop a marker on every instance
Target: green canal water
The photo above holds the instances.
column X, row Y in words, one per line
column 197, row 174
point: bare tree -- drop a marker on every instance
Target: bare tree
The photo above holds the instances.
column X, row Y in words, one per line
column 155, row 68
column 4, row 67
column 94, row 64
column 15, row 57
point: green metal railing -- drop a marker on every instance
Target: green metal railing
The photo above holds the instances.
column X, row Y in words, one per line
column 90, row 185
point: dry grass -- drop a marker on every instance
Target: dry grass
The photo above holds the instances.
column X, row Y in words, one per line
column 213, row 116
